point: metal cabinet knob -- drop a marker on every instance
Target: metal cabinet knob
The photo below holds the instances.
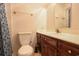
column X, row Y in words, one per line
column 45, row 39
column 69, row 51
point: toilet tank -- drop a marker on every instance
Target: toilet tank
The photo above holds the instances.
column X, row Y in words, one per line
column 25, row 38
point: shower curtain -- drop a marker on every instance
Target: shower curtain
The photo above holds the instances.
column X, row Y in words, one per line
column 5, row 43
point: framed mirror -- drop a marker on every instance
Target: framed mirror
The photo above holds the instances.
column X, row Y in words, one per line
column 62, row 15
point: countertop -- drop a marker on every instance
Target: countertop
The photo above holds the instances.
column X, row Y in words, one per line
column 62, row 36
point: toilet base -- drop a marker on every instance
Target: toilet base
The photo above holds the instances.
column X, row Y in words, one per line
column 25, row 50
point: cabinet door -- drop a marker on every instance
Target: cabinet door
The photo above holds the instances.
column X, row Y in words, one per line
column 38, row 46
column 51, row 51
column 44, row 48
column 47, row 48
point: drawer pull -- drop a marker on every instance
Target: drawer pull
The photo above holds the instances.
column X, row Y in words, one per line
column 45, row 39
column 69, row 51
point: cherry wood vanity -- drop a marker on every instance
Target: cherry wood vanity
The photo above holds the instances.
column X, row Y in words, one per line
column 52, row 46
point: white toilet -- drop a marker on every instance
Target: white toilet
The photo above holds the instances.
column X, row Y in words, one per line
column 25, row 40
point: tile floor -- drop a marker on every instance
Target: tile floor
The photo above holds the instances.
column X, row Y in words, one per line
column 36, row 54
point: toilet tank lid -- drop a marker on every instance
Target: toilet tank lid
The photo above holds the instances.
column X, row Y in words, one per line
column 24, row 32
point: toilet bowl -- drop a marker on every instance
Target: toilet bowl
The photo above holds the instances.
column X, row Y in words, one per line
column 25, row 49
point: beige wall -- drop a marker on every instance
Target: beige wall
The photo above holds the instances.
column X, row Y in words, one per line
column 75, row 18
column 50, row 18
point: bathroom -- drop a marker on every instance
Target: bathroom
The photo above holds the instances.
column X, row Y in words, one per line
column 47, row 25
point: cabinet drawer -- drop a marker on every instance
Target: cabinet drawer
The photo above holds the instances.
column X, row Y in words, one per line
column 50, row 41
column 65, row 49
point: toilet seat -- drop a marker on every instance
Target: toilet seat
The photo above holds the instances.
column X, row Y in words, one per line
column 25, row 50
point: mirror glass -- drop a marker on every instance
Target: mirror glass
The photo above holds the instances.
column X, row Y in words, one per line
column 62, row 15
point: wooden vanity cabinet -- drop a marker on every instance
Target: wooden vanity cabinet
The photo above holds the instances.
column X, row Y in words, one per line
column 50, row 46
